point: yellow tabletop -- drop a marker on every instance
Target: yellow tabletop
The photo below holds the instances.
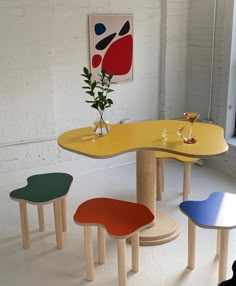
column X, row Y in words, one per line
column 146, row 135
column 183, row 159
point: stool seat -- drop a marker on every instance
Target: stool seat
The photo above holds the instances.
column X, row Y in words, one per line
column 122, row 220
column 187, row 162
column 43, row 189
column 218, row 211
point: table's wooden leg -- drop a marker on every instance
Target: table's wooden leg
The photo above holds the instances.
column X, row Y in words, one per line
column 186, row 180
column 191, row 244
column 224, row 238
column 165, row 229
column 159, row 178
column 146, row 179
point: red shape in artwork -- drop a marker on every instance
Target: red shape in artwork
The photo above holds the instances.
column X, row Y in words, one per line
column 118, row 58
column 96, row 60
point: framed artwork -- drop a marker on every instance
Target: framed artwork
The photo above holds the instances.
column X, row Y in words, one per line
column 111, row 46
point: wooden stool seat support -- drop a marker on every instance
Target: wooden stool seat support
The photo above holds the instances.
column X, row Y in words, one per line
column 216, row 212
column 187, row 162
column 121, row 220
column 43, row 189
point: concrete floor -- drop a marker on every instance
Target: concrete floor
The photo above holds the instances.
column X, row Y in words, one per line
column 163, row 265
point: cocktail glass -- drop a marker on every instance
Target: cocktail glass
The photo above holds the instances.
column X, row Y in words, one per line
column 191, row 118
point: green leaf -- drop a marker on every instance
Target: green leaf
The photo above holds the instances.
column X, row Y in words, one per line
column 87, row 81
column 109, row 90
column 90, row 93
column 102, row 97
column 89, row 101
column 86, row 71
column 109, row 101
column 93, row 84
column 95, row 105
column 101, row 105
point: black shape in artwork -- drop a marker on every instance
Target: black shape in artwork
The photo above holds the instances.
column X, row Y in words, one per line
column 125, row 29
column 101, row 45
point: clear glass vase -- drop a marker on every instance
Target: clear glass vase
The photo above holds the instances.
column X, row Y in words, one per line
column 101, row 126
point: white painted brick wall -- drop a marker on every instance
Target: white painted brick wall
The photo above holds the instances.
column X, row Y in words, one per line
column 25, row 72
column 175, row 35
column 44, row 45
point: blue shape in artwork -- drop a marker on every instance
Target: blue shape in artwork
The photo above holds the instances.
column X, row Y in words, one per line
column 99, row 29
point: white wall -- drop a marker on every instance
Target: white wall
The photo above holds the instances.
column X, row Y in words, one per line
column 223, row 104
column 199, row 56
column 44, row 45
column 174, row 58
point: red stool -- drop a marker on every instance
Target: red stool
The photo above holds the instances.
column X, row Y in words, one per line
column 122, row 220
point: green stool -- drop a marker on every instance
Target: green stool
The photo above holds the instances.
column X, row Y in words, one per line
column 44, row 189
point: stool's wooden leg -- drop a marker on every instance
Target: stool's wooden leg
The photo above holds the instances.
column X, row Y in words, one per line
column 89, row 258
column 24, row 225
column 101, row 245
column 218, row 243
column 41, row 218
column 64, row 214
column 58, row 223
column 135, row 252
column 191, row 244
column 186, row 180
column 121, row 253
column 224, row 238
column 160, row 178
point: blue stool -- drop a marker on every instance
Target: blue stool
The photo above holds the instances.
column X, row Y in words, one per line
column 218, row 211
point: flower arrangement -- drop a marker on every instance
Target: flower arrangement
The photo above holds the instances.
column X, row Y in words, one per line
column 99, row 91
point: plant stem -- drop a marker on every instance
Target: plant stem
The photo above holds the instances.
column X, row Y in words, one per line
column 101, row 122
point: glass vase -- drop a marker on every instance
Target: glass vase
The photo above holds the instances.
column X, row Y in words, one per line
column 101, row 126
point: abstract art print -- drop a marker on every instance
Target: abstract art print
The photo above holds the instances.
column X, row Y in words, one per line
column 111, row 46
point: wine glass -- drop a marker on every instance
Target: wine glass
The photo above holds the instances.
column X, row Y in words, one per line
column 166, row 133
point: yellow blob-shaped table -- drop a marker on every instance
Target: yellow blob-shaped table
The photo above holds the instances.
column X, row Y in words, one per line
column 146, row 138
